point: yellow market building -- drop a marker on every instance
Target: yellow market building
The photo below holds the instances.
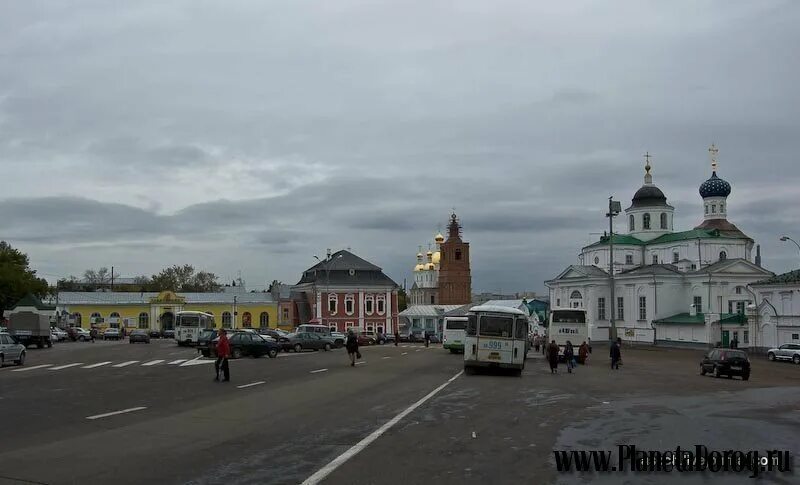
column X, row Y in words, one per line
column 156, row 311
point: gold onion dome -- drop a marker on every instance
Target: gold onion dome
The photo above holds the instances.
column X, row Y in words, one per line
column 439, row 238
column 419, row 267
column 431, row 266
column 437, row 256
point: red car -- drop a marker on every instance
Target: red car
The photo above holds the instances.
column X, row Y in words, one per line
column 366, row 338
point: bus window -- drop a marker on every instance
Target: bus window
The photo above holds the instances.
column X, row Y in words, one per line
column 456, row 324
column 189, row 321
column 472, row 325
column 521, row 329
column 491, row 326
column 568, row 316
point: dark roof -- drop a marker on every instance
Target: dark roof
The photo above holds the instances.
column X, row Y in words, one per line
column 30, row 300
column 700, row 318
column 652, row 269
column 344, row 260
column 715, row 187
column 792, row 277
column 346, row 269
column 649, row 196
column 723, row 228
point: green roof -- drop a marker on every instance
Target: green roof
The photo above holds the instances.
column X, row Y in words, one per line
column 781, row 279
column 684, row 235
column 619, row 239
column 700, row 318
column 30, row 300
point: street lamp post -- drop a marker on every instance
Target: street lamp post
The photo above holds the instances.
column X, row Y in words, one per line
column 614, row 208
column 787, row 238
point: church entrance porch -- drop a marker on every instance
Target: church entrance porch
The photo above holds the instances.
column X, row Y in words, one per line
column 167, row 321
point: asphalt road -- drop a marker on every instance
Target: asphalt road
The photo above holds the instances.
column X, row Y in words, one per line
column 284, row 420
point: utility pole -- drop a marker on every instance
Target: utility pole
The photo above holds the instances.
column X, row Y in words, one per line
column 614, row 208
column 112, row 278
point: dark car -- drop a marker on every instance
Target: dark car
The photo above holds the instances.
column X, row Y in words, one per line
column 726, row 362
column 245, row 344
column 306, row 341
column 168, row 333
column 139, row 336
column 155, row 334
column 434, row 339
column 366, row 338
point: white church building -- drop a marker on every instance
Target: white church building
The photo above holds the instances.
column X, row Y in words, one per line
column 679, row 287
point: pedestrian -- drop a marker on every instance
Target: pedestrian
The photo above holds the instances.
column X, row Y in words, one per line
column 552, row 357
column 583, row 353
column 616, row 353
column 569, row 356
column 352, row 347
column 536, row 343
column 223, row 352
column 427, row 338
column 93, row 333
column 397, row 338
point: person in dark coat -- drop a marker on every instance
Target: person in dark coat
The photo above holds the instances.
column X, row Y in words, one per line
column 397, row 338
column 352, row 347
column 552, row 357
column 223, row 351
column 583, row 353
column 536, row 343
column 569, row 356
column 616, row 353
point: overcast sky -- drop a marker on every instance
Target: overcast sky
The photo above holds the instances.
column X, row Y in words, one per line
column 249, row 135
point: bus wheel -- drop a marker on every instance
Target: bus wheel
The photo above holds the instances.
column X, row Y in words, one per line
column 517, row 372
column 469, row 370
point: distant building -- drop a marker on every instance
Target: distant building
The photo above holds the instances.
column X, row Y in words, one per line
column 455, row 277
column 346, row 292
column 429, row 318
column 425, row 289
column 777, row 312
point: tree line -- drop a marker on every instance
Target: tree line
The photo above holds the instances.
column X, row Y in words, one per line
column 177, row 278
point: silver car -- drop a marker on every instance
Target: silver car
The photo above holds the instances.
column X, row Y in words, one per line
column 11, row 350
column 785, row 352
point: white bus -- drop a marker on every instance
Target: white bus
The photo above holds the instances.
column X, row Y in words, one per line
column 568, row 324
column 496, row 336
column 189, row 325
column 454, row 333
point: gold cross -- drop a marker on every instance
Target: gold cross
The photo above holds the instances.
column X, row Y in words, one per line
column 713, row 150
column 647, row 157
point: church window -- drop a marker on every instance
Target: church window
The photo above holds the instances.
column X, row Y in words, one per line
column 601, row 308
column 675, row 256
column 698, row 304
column 655, row 259
column 596, row 260
column 632, row 223
column 646, row 221
column 706, row 208
column 433, row 300
column 629, row 259
column 664, row 221
column 642, row 308
column 738, row 290
column 458, row 254
column 713, row 208
column 620, row 308
column 333, row 303
column 381, row 304
column 349, row 304
column 723, row 255
column 558, row 302
column 722, row 207
column 694, row 266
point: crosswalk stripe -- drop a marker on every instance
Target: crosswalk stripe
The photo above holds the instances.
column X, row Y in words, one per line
column 67, row 366
column 153, row 362
column 175, row 362
column 25, row 369
column 99, row 364
column 123, row 364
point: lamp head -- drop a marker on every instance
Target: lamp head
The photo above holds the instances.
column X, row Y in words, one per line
column 784, row 238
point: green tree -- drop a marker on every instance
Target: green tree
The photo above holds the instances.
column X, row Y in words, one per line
column 184, row 278
column 402, row 300
column 16, row 277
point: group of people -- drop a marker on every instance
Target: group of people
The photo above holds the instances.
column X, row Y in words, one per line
column 552, row 351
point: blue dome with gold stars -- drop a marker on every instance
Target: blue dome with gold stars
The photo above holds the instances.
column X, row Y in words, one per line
column 715, row 187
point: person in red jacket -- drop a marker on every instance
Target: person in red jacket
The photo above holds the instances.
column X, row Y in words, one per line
column 223, row 352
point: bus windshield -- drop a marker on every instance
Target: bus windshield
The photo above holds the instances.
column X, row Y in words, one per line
column 491, row 326
column 188, row 321
column 569, row 316
column 455, row 324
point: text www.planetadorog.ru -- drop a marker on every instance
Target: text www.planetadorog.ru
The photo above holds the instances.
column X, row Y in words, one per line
column 681, row 460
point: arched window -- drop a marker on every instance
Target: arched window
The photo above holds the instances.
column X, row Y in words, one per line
column 381, row 303
column 664, row 220
column 247, row 320
column 77, row 317
column 713, row 208
column 96, row 318
column 333, row 303
column 114, row 315
column 631, row 223
column 263, row 319
column 144, row 320
column 646, row 221
column 706, row 208
column 576, row 299
column 349, row 304
column 723, row 255
column 369, row 304
column 226, row 319
column 722, row 207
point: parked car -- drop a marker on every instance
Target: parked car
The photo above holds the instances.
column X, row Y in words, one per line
column 366, row 338
column 338, row 339
column 155, row 334
column 726, row 362
column 168, row 333
column 785, row 352
column 414, row 335
column 78, row 333
column 58, row 334
column 11, row 350
column 139, row 336
column 112, row 334
column 245, row 344
column 306, row 340
column 273, row 333
column 434, row 339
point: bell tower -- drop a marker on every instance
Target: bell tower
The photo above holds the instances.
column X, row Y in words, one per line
column 455, row 279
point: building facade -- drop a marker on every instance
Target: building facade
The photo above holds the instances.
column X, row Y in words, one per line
column 455, row 277
column 346, row 292
column 156, row 311
column 776, row 316
column 425, row 289
column 686, row 287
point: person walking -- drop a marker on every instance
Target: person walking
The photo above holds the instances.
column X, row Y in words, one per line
column 536, row 343
column 223, row 352
column 397, row 338
column 616, row 353
column 583, row 353
column 552, row 357
column 93, row 333
column 352, row 347
column 427, row 338
column 569, row 356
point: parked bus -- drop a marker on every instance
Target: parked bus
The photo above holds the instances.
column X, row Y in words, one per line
column 454, row 333
column 189, row 325
column 568, row 324
column 496, row 336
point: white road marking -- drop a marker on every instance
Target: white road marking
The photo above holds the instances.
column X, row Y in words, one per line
column 258, row 383
column 361, row 362
column 404, row 353
column 123, row 364
column 355, row 449
column 417, row 350
column 153, row 362
column 474, row 435
column 387, row 357
column 25, row 369
column 66, row 366
column 404, row 346
column 175, row 362
column 114, row 413
column 196, row 362
column 99, row 364
column 285, row 354
column 318, row 370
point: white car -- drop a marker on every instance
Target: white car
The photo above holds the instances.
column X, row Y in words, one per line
column 785, row 352
column 57, row 334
